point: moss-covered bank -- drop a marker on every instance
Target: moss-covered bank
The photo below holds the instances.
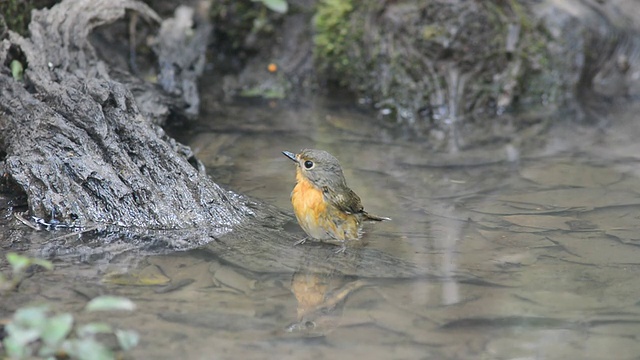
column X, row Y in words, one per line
column 433, row 64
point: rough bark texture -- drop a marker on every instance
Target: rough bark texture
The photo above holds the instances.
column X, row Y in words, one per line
column 78, row 145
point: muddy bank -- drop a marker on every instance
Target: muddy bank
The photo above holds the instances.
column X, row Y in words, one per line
column 452, row 72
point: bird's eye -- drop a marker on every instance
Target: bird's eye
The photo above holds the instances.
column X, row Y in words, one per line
column 308, row 164
column 309, row 324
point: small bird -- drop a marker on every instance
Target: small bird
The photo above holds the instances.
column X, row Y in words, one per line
column 326, row 208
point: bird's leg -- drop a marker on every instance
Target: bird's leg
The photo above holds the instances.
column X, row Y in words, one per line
column 301, row 241
column 342, row 249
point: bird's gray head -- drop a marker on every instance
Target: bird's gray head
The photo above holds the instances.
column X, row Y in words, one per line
column 319, row 167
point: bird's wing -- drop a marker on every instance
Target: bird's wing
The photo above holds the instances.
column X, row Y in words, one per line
column 344, row 199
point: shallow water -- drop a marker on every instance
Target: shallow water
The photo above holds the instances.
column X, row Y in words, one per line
column 532, row 251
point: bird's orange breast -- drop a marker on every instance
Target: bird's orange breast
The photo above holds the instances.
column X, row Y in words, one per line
column 319, row 219
column 309, row 205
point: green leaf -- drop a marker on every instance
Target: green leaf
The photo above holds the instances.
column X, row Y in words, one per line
column 17, row 344
column 279, row 6
column 107, row 302
column 25, row 327
column 128, row 339
column 93, row 328
column 87, row 349
column 16, row 70
column 21, row 336
column 34, row 317
column 57, row 328
column 18, row 263
column 47, row 351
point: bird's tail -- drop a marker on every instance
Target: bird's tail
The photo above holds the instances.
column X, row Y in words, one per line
column 371, row 217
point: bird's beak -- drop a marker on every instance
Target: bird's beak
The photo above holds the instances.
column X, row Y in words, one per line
column 290, row 155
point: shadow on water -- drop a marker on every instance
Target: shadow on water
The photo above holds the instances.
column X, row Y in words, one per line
column 509, row 251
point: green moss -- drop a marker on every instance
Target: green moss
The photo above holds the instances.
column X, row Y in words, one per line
column 529, row 63
column 433, row 31
column 331, row 23
column 234, row 21
column 17, row 13
column 521, row 13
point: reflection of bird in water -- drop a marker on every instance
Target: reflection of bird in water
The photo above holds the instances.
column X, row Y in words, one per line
column 326, row 208
column 319, row 305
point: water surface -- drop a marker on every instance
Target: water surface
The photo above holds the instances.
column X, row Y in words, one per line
column 532, row 250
